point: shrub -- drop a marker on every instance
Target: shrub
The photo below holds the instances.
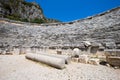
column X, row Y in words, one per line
column 24, row 20
column 37, row 20
column 13, row 17
column 27, row 3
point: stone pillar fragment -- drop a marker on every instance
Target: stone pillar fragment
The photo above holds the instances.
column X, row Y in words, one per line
column 49, row 60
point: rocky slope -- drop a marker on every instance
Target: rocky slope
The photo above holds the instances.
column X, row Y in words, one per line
column 103, row 28
column 20, row 9
column 23, row 11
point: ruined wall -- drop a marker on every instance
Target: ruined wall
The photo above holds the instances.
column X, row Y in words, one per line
column 103, row 28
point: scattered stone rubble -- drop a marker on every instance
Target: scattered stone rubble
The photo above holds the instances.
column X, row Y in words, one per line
column 17, row 67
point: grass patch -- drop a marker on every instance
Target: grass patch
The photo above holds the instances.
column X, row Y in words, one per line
column 37, row 20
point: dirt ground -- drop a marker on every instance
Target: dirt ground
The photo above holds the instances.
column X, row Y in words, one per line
column 17, row 67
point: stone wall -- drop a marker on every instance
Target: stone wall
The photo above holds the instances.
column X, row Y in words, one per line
column 102, row 29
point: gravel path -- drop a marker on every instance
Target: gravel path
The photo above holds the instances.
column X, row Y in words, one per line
column 16, row 67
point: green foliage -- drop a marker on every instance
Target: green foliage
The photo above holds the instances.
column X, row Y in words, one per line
column 27, row 3
column 37, row 20
column 24, row 20
column 13, row 18
column 1, row 15
column 7, row 6
column 16, row 15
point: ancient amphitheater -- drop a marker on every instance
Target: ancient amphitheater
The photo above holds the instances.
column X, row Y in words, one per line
column 84, row 41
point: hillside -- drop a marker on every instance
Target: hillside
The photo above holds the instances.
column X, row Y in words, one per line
column 21, row 10
column 102, row 29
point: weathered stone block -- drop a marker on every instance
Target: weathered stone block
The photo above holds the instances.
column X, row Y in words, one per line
column 93, row 61
column 75, row 59
column 113, row 60
column 83, row 59
column 59, row 52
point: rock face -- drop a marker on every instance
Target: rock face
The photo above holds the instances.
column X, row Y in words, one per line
column 103, row 28
column 20, row 9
